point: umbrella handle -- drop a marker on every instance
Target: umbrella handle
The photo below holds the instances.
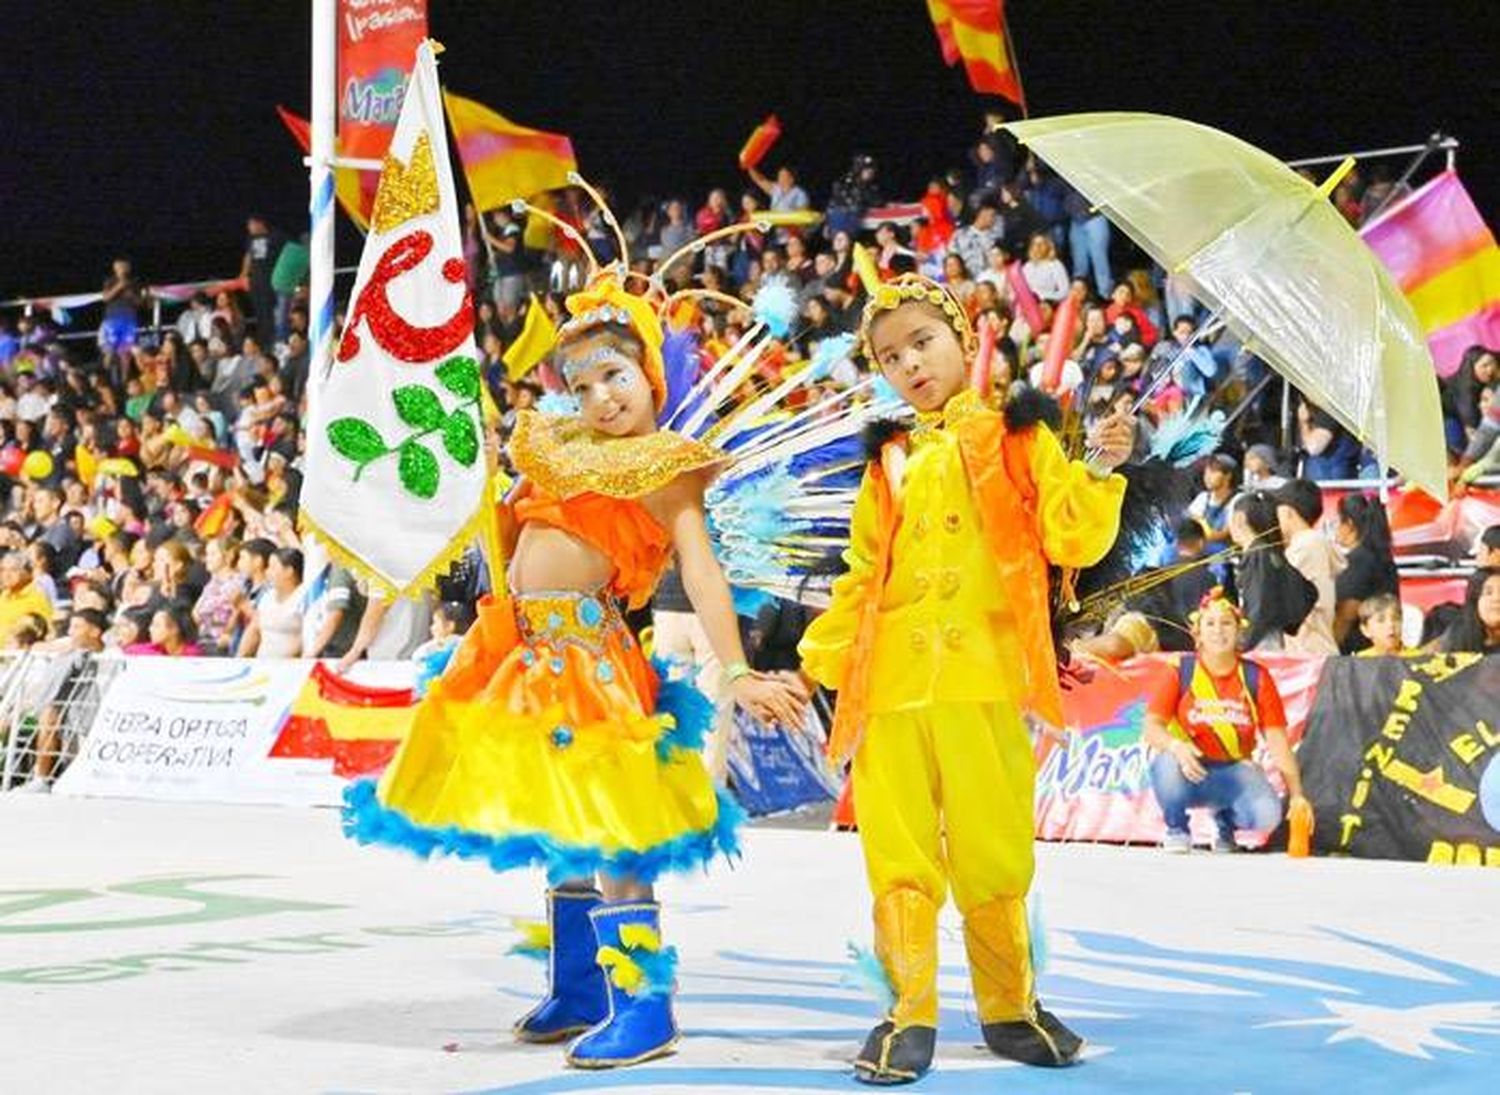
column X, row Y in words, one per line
column 1202, row 331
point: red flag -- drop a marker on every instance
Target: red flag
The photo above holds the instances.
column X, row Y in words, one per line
column 346, row 185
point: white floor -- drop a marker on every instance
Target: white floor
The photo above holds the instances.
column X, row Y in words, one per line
column 167, row 948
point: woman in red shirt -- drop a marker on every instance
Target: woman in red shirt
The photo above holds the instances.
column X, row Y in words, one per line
column 1203, row 724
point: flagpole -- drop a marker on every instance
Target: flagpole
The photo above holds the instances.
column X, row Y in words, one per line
column 322, row 120
column 1015, row 61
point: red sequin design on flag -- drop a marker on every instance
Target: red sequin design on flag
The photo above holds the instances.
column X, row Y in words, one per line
column 406, row 341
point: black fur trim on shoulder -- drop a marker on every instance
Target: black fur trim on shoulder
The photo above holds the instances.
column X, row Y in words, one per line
column 1027, row 406
column 881, row 432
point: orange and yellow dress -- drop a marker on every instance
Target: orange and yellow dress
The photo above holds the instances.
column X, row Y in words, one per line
column 551, row 739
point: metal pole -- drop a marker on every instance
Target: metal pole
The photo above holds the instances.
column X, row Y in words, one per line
column 1448, row 143
column 323, row 120
column 1286, row 415
column 1411, row 169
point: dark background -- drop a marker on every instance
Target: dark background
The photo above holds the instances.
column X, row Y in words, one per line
column 150, row 129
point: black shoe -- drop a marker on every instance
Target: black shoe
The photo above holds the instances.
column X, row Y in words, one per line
column 892, row 1056
column 1041, row 1041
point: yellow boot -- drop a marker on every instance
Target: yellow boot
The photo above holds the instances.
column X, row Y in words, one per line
column 1014, row 1025
column 900, row 1049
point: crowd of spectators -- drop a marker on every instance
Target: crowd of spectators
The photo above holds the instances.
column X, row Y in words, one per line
column 149, row 479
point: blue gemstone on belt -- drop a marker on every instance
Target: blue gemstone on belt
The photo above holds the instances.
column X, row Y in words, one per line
column 590, row 612
column 528, row 657
column 556, row 665
column 562, row 736
column 605, row 672
column 554, row 622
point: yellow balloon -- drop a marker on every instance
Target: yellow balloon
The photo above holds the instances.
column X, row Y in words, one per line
column 37, row 465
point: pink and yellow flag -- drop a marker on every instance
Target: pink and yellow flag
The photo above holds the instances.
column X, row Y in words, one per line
column 504, row 161
column 1444, row 257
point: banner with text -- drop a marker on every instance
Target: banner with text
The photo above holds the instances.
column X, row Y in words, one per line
column 1097, row 784
column 260, row 731
column 1402, row 759
column 378, row 41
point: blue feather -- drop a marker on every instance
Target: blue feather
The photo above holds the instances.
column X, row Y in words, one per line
column 1148, row 548
column 658, row 969
column 681, row 364
column 776, row 306
column 830, row 352
column 1182, row 438
column 368, row 821
column 869, row 976
column 884, row 393
column 431, row 667
column 558, row 403
column 1036, row 928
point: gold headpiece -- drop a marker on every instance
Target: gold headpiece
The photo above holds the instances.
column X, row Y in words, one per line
column 604, row 298
column 914, row 288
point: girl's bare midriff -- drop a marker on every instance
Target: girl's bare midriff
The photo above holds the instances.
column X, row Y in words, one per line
column 549, row 560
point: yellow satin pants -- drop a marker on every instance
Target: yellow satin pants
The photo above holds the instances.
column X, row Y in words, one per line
column 943, row 797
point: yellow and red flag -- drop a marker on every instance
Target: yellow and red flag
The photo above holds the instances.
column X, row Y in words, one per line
column 502, row 160
column 357, row 726
column 1443, row 256
column 973, row 31
column 759, row 142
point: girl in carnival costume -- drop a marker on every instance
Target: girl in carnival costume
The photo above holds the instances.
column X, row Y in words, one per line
column 550, row 739
column 955, row 526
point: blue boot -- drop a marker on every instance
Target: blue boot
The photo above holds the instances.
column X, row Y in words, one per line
column 576, row 997
column 639, row 973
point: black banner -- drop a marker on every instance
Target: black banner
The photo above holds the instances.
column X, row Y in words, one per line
column 1401, row 758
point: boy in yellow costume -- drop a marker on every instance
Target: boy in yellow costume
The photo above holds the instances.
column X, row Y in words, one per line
column 938, row 639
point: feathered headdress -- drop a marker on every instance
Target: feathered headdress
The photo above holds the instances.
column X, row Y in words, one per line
column 780, row 506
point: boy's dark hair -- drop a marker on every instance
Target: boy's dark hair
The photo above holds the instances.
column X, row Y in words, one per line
column 260, row 547
column 1189, row 531
column 1303, row 497
column 1371, row 607
column 1490, row 538
column 457, row 613
column 94, row 618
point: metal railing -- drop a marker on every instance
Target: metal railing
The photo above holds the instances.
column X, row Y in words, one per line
column 47, row 705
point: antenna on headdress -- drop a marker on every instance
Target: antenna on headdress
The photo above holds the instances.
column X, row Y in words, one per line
column 606, row 212
column 521, row 205
column 696, row 246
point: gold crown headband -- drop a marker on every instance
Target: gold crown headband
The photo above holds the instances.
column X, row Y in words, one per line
column 915, row 289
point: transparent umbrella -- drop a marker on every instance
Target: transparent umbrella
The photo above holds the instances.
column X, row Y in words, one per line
column 1263, row 248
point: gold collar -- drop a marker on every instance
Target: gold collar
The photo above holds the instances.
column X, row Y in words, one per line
column 564, row 458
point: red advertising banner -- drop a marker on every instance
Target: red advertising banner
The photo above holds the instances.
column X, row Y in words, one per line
column 378, row 40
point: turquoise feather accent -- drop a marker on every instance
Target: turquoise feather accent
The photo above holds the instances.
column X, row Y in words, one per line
column 776, row 306
column 1182, row 437
column 1036, row 930
column 368, row 821
column 869, row 976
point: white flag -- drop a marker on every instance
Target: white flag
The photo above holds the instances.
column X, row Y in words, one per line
column 395, row 463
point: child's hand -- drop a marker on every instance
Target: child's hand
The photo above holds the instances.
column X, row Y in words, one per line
column 773, row 700
column 1113, row 438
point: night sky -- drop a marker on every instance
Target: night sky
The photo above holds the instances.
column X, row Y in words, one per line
column 150, row 129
